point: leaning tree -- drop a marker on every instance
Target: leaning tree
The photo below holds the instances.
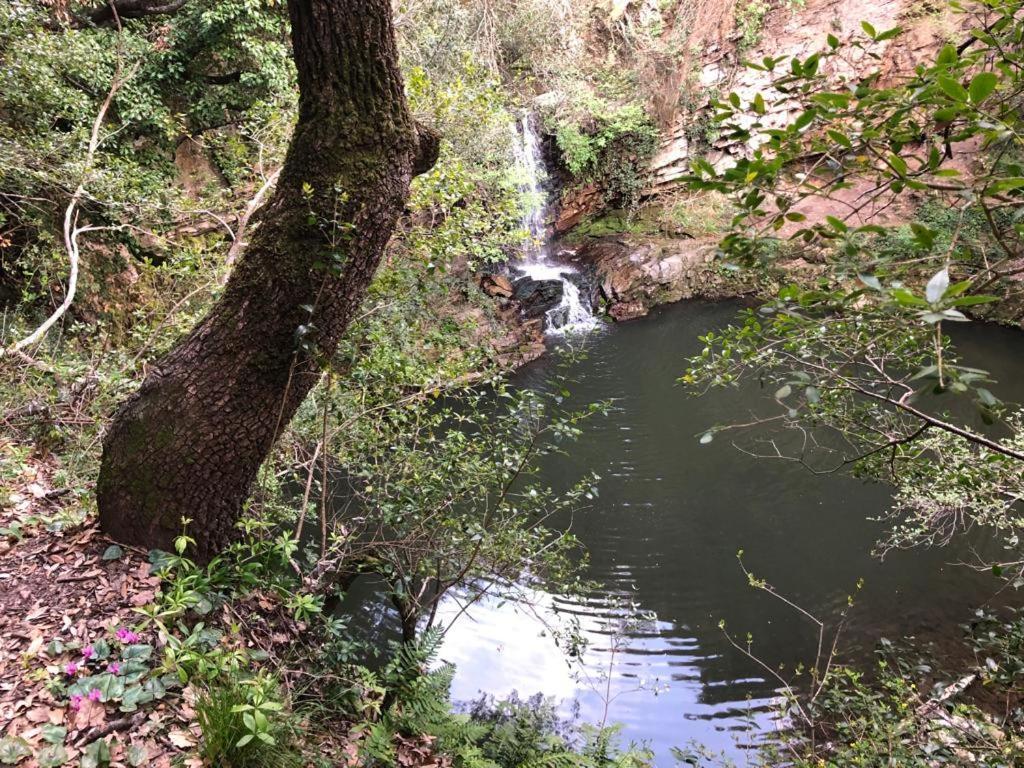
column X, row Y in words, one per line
column 190, row 441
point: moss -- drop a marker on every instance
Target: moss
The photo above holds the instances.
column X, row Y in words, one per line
column 616, row 222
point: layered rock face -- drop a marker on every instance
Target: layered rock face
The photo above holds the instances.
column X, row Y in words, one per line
column 800, row 32
column 632, row 276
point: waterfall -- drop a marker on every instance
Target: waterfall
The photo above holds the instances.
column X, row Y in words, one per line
column 573, row 313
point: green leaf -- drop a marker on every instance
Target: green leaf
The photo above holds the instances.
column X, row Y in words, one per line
column 54, row 734
column 1005, row 185
column 926, row 372
column 100, row 649
column 970, row 301
column 110, row 687
column 783, row 392
column 837, row 224
column 96, row 754
column 137, row 755
column 51, row 756
column 113, row 552
column 138, row 652
column 869, row 29
column 952, row 88
column 840, row 138
column 923, row 235
column 948, row 55
column 982, row 85
column 986, row 397
column 907, row 299
column 706, row 438
column 759, row 106
column 13, row 750
column 889, row 34
column 805, row 119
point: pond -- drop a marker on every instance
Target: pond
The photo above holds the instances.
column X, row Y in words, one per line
column 663, row 535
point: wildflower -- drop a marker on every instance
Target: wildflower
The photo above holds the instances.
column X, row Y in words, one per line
column 95, row 694
column 76, row 702
column 88, row 652
column 114, row 668
column 71, row 669
column 126, row 636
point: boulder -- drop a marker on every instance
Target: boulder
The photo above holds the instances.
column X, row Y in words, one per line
column 536, row 297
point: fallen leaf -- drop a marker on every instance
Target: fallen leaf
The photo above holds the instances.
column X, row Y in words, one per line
column 181, row 739
column 90, row 714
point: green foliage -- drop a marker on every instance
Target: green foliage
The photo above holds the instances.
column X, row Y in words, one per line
column 513, row 733
column 243, row 724
column 609, row 145
column 441, row 492
column 220, row 69
column 911, row 710
column 468, row 208
column 749, row 17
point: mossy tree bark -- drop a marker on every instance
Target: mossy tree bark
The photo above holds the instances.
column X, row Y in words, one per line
column 190, row 442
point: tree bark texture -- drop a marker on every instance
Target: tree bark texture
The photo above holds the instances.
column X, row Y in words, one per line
column 190, row 442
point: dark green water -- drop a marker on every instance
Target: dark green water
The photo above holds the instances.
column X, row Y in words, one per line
column 664, row 534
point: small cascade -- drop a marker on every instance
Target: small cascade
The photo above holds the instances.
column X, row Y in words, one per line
column 573, row 311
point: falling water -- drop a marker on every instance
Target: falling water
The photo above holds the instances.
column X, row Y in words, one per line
column 572, row 313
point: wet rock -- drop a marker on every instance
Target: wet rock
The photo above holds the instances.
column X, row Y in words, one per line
column 627, row 310
column 496, row 285
column 557, row 317
column 536, row 297
column 584, row 279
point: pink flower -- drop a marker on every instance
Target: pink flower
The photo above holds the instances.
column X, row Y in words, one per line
column 76, row 702
column 95, row 694
column 88, row 652
column 71, row 669
column 126, row 636
column 114, row 668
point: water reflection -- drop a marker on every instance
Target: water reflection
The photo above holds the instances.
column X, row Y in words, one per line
column 664, row 534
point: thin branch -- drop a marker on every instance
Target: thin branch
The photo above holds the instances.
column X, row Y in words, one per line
column 71, row 228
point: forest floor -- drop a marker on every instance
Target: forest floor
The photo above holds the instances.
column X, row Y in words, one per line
column 81, row 656
column 63, row 589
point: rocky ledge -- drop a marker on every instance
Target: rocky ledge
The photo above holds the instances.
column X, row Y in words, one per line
column 632, row 276
column 623, row 276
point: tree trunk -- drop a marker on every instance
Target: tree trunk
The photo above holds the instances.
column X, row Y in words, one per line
column 190, row 441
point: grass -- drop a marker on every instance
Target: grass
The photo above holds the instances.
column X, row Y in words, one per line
column 223, row 730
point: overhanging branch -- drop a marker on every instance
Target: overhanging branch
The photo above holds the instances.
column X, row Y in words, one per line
column 108, row 13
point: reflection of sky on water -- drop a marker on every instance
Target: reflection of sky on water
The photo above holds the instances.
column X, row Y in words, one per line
column 502, row 646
